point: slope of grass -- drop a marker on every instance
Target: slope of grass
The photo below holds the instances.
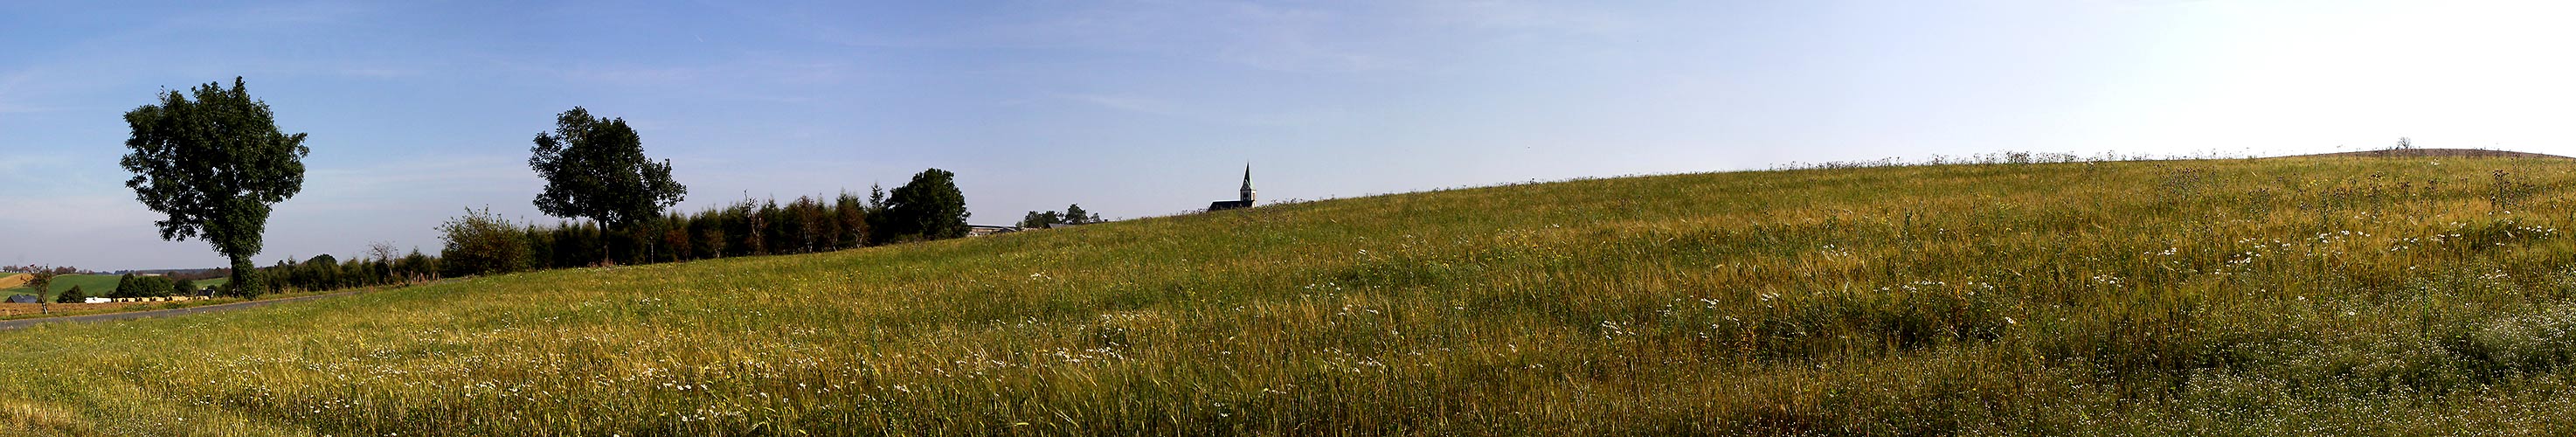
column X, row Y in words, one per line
column 2236, row 297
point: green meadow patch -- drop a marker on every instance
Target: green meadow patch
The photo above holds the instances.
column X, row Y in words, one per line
column 2339, row 295
column 95, row 285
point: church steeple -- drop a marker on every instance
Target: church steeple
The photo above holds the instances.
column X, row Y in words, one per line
column 1247, row 184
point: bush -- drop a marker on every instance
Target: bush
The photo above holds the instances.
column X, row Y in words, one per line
column 482, row 243
column 141, row 286
column 153, row 286
column 74, row 295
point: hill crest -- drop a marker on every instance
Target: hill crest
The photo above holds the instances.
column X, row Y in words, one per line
column 2433, row 153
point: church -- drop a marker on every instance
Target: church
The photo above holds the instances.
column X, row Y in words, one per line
column 1245, row 202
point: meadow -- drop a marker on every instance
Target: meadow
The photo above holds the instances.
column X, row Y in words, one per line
column 2342, row 295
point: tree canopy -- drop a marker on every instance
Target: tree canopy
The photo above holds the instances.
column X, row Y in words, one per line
column 929, row 207
column 595, row 168
column 1072, row 215
column 213, row 165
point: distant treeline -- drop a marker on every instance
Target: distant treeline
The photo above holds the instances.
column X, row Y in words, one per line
column 324, row 272
column 745, row 228
column 480, row 242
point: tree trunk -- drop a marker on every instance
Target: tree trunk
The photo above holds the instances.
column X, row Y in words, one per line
column 245, row 282
column 604, row 235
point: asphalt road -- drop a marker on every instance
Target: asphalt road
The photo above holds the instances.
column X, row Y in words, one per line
column 130, row 315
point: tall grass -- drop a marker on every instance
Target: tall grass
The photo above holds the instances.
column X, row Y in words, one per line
column 2220, row 297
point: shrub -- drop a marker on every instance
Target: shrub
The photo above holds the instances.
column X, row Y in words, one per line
column 124, row 286
column 482, row 243
column 74, row 295
column 152, row 286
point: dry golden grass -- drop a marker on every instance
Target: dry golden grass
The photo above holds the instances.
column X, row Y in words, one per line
column 2227, row 297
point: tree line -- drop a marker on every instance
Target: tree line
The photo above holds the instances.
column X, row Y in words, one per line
column 214, row 162
column 928, row 208
column 1072, row 215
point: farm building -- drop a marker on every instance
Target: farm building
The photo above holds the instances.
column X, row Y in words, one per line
column 985, row 230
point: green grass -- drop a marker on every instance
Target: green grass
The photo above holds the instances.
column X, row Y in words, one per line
column 95, row 285
column 2230, row 297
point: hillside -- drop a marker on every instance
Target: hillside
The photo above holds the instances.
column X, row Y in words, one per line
column 2226, row 297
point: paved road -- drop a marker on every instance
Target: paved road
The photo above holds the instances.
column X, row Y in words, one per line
column 130, row 315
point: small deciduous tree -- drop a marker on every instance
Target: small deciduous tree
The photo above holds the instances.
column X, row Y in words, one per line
column 41, row 278
column 852, row 214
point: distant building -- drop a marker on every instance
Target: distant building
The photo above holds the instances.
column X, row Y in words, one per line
column 982, row 230
column 1244, row 202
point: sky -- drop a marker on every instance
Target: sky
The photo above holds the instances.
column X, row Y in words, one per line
column 417, row 110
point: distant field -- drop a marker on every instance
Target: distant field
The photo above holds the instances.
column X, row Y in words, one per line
column 8, row 281
column 2236, row 297
column 95, row 285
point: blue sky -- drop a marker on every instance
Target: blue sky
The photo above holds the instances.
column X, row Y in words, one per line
column 1139, row 108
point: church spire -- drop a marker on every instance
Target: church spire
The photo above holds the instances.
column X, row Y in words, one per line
column 1247, row 184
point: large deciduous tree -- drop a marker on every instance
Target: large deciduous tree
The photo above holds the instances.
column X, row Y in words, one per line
column 930, row 207
column 214, row 165
column 595, row 168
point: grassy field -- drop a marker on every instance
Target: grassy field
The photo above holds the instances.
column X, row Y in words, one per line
column 95, row 285
column 2370, row 296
